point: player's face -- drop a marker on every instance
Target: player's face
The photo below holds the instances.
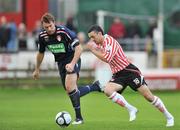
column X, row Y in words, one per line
column 49, row 27
column 96, row 37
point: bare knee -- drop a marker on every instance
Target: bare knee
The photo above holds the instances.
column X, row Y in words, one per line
column 149, row 97
column 146, row 93
column 107, row 91
column 70, row 88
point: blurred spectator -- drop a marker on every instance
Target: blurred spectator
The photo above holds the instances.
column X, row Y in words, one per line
column 133, row 29
column 12, row 43
column 22, row 36
column 71, row 24
column 82, row 39
column 150, row 46
column 134, row 34
column 36, row 31
column 4, row 34
column 31, row 42
column 117, row 29
column 152, row 26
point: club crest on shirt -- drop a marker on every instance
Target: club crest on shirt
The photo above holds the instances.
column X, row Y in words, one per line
column 58, row 38
column 46, row 38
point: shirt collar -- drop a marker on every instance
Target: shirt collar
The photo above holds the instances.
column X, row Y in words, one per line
column 105, row 36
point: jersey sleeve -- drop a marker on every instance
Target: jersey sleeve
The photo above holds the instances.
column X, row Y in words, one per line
column 41, row 46
column 110, row 50
column 74, row 41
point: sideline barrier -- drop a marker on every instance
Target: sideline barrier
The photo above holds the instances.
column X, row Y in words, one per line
column 163, row 82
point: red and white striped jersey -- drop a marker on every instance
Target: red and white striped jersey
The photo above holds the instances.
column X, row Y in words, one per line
column 114, row 54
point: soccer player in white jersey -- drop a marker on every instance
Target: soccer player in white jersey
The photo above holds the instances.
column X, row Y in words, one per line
column 124, row 73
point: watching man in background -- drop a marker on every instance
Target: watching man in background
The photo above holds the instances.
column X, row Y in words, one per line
column 4, row 34
column 117, row 29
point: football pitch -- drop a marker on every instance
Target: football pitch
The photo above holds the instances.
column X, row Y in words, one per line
column 35, row 109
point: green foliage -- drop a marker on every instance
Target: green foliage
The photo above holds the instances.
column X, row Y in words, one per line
column 35, row 109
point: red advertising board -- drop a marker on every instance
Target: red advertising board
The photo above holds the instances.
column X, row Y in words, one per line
column 163, row 81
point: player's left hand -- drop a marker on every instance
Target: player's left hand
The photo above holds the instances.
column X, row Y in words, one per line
column 70, row 67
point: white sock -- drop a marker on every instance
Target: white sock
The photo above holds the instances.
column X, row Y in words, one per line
column 119, row 99
column 160, row 105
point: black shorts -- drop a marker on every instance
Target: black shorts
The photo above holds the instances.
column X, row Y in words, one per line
column 63, row 72
column 130, row 76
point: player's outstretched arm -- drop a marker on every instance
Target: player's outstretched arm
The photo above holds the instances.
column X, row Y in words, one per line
column 39, row 59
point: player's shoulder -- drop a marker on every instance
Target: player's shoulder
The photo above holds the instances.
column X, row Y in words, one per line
column 64, row 30
column 42, row 34
column 109, row 37
column 110, row 40
column 61, row 28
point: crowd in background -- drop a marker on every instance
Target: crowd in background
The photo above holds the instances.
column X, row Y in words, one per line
column 16, row 37
column 12, row 37
column 131, row 35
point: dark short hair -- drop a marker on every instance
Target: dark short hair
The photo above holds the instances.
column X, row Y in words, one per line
column 47, row 18
column 96, row 28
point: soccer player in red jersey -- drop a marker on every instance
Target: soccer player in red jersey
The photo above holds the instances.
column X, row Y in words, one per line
column 124, row 73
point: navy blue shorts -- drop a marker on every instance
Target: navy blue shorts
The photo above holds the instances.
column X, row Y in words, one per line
column 129, row 76
column 63, row 72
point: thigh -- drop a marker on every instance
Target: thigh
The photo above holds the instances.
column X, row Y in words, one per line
column 62, row 73
column 77, row 68
column 72, row 77
column 119, row 80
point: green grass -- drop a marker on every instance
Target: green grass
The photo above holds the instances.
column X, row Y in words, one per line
column 35, row 109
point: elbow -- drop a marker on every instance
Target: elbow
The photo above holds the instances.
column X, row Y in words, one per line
column 105, row 60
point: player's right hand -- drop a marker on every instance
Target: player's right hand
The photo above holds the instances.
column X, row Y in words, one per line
column 36, row 74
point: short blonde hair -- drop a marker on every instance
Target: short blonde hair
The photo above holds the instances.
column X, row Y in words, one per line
column 47, row 18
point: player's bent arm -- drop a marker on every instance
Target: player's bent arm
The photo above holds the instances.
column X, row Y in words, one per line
column 98, row 53
column 39, row 59
column 77, row 54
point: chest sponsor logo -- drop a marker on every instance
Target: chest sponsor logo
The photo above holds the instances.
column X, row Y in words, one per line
column 57, row 48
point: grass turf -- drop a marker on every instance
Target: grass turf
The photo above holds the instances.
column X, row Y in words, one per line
column 35, row 109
